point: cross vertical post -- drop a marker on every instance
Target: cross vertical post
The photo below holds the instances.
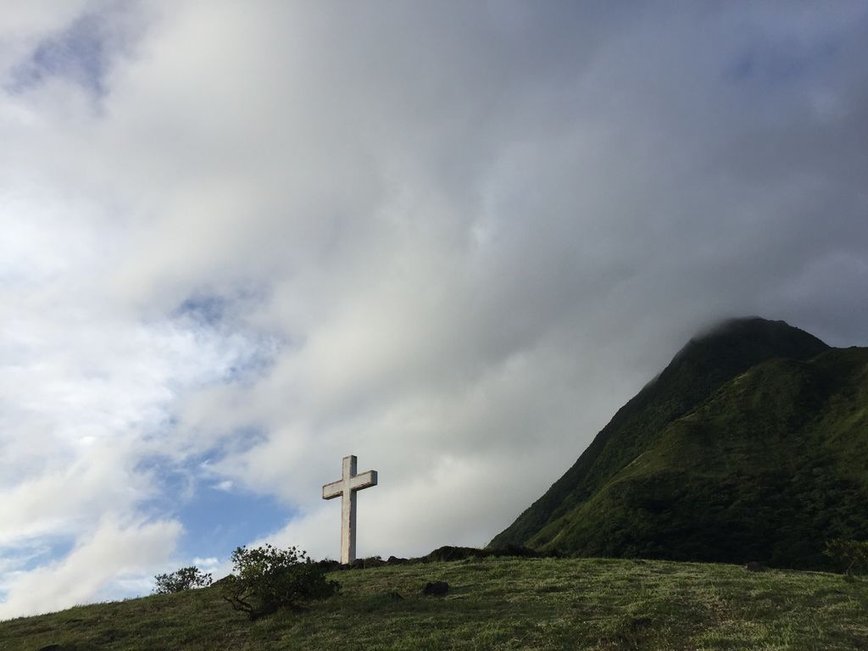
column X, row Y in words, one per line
column 346, row 488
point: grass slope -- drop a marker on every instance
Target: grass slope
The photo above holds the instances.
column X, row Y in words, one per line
column 493, row 603
column 752, row 444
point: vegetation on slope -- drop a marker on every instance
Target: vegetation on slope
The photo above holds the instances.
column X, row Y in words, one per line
column 493, row 603
column 752, row 444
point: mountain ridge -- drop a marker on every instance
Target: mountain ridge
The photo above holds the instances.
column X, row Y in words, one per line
column 655, row 514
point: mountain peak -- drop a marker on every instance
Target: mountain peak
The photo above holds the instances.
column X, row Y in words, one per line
column 730, row 347
column 580, row 500
column 757, row 328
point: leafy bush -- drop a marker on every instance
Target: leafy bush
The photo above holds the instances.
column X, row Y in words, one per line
column 186, row 578
column 265, row 579
column 850, row 555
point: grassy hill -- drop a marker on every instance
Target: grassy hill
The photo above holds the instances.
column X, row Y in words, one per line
column 493, row 603
column 752, row 444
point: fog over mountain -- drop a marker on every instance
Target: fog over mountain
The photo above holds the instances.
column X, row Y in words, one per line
column 241, row 240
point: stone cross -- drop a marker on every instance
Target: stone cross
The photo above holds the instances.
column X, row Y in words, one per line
column 346, row 488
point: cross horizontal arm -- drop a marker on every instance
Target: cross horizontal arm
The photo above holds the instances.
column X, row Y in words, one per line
column 335, row 489
column 365, row 480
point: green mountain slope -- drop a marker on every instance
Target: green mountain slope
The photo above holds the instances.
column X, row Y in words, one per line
column 752, row 444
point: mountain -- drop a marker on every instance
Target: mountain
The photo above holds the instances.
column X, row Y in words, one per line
column 752, row 444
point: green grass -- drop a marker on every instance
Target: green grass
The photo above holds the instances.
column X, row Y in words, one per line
column 494, row 603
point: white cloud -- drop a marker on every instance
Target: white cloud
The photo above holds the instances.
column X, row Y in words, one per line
column 112, row 553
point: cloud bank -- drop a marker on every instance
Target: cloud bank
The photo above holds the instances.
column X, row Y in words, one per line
column 243, row 240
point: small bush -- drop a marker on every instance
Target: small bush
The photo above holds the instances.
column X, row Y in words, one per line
column 850, row 555
column 186, row 578
column 265, row 579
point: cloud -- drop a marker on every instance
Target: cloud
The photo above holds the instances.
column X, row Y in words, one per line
column 111, row 554
column 241, row 242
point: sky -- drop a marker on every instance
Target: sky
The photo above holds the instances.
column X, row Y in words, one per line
column 241, row 240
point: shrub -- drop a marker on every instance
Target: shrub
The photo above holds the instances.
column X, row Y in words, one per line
column 265, row 579
column 849, row 555
column 186, row 578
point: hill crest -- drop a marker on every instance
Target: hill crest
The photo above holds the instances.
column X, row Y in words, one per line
column 603, row 505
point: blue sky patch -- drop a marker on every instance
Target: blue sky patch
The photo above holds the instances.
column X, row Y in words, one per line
column 205, row 309
column 217, row 515
column 218, row 520
column 81, row 53
column 33, row 555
